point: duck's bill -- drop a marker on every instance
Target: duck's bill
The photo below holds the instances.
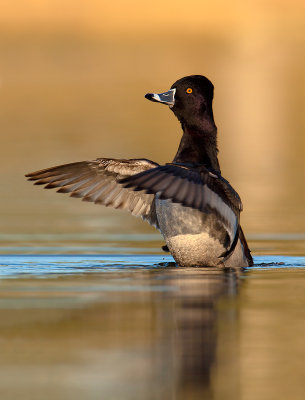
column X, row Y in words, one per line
column 165, row 98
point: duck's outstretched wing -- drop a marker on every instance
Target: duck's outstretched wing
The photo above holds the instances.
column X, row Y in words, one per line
column 98, row 181
column 195, row 187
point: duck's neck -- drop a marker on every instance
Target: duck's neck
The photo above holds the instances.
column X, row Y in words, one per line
column 198, row 145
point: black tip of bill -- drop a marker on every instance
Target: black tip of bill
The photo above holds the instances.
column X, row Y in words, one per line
column 150, row 96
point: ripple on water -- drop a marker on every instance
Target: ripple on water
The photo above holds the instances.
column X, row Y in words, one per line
column 73, row 264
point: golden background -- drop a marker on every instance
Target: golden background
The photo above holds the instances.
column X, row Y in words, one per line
column 73, row 76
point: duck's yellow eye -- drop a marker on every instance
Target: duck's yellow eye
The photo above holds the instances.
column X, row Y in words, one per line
column 189, row 90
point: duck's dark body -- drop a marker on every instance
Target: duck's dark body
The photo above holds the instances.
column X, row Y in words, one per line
column 196, row 210
column 195, row 238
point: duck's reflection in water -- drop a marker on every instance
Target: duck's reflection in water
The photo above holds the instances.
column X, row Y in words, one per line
column 132, row 333
column 201, row 350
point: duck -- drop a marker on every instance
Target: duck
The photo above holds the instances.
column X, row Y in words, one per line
column 188, row 200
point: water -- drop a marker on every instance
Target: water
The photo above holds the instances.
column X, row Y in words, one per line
column 135, row 326
column 47, row 266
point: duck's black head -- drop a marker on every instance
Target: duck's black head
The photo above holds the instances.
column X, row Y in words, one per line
column 190, row 98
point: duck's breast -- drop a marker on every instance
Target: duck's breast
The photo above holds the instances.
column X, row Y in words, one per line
column 193, row 237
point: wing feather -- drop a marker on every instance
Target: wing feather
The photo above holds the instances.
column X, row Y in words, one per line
column 195, row 187
column 98, row 181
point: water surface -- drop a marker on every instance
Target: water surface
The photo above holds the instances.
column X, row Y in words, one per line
column 136, row 326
